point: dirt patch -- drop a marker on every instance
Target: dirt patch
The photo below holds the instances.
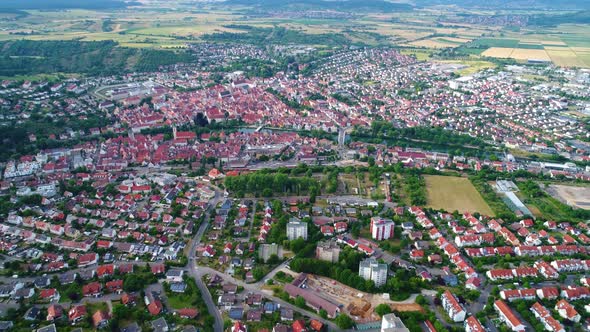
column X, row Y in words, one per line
column 358, row 304
column 573, row 196
column 407, row 307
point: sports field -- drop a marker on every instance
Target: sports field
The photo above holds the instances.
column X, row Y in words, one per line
column 454, row 193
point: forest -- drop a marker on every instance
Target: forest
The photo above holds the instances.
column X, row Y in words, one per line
column 261, row 184
column 26, row 57
column 275, row 35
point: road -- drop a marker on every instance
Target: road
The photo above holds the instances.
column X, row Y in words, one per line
column 193, row 269
column 252, row 220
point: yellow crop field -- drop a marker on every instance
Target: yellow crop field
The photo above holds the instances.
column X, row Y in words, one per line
column 526, row 54
column 454, row 193
column 566, row 58
column 553, row 43
column 432, row 43
column 498, row 52
column 516, row 53
column 456, row 39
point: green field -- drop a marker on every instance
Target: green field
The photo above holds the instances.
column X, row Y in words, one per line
column 454, row 193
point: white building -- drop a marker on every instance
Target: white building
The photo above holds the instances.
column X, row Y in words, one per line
column 370, row 269
column 507, row 316
column 452, row 307
column 392, row 323
column 381, row 228
column 473, row 325
column 296, row 229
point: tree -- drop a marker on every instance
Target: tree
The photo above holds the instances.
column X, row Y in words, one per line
column 300, row 302
column 344, row 322
column 273, row 259
column 258, row 273
column 382, row 309
column 323, row 314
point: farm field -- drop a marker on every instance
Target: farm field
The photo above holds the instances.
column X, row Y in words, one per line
column 565, row 57
column 454, row 193
column 498, row 52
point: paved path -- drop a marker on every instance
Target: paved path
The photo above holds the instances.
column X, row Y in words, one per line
column 193, row 269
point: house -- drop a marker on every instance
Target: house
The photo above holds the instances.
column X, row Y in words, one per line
column 473, row 283
column 105, row 270
column 159, row 325
column 434, row 259
column 100, row 319
column 178, row 287
column 7, row 325
column 254, row 315
column 174, row 275
column 416, row 254
column 544, row 316
column 133, row 327
column 49, row 295
column 229, row 288
column 518, row 294
column 549, row 293
column 286, row 314
column 226, row 300
column 316, row 325
column 189, row 313
column 128, row 299
column 87, row 259
column 158, row 269
column 41, row 282
column 508, row 316
column 573, row 293
column 473, row 325
column 298, row 326
column 567, row 311
column 125, row 268
column 115, row 286
column 54, row 311
column 239, row 327
column 32, row 313
column 48, row 328
column 67, row 278
column 254, row 299
column 155, row 307
column 23, row 293
column 77, row 313
column 236, row 313
column 93, row 289
column 270, row 307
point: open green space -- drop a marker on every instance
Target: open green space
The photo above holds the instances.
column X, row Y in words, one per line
column 454, row 193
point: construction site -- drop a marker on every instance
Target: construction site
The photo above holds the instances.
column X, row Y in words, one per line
column 359, row 305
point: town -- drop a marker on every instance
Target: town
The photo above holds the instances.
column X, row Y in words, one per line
column 374, row 192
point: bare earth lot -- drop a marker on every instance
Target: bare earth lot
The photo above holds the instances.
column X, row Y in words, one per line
column 574, row 196
column 359, row 305
column 454, row 193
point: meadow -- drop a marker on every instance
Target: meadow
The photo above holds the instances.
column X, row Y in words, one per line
column 454, row 193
